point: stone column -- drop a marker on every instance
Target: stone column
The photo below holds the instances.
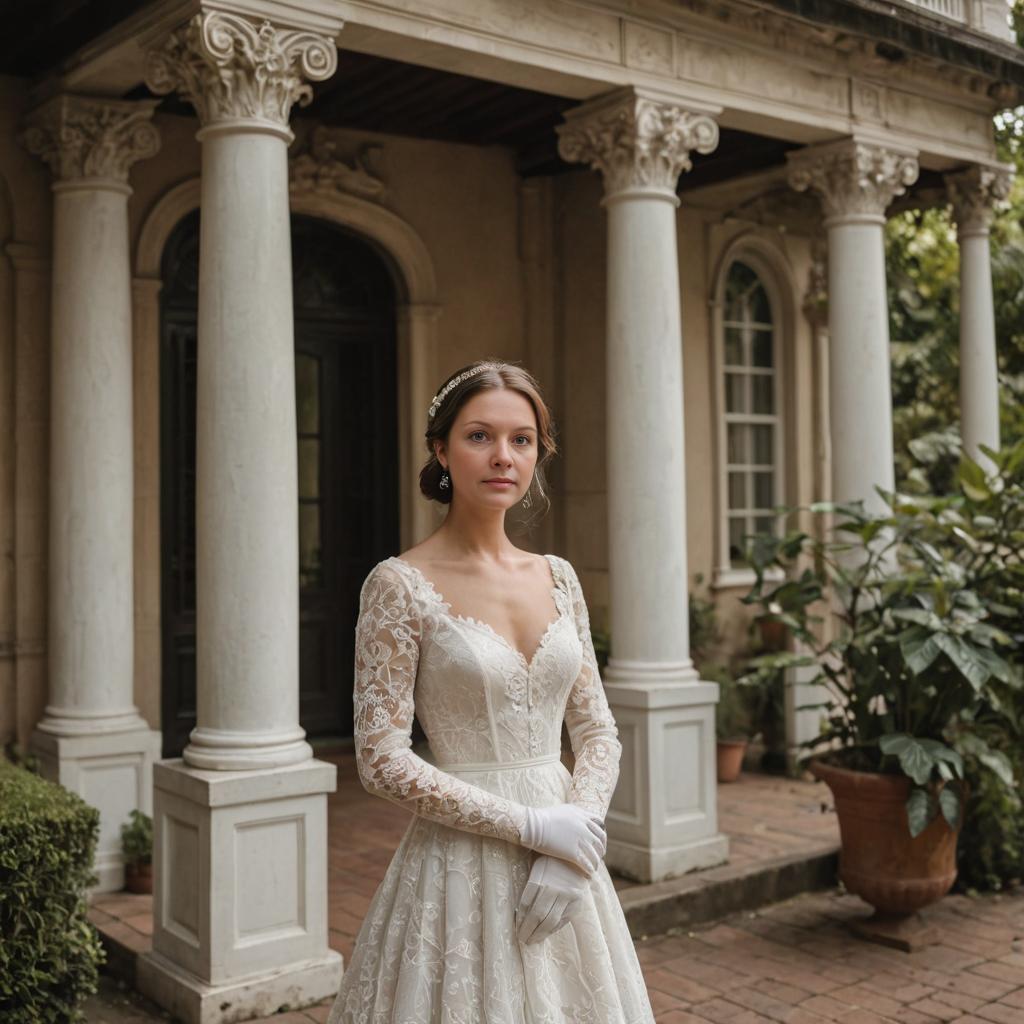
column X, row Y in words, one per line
column 663, row 819
column 240, row 923
column 856, row 182
column 91, row 737
column 973, row 193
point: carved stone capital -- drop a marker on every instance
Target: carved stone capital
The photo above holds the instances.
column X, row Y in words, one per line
column 85, row 138
column 318, row 168
column 854, row 179
column 636, row 141
column 229, row 68
column 974, row 192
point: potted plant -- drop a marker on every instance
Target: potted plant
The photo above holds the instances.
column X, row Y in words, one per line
column 732, row 722
column 912, row 664
column 137, row 848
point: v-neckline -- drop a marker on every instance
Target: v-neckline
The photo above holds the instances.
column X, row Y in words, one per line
column 554, row 591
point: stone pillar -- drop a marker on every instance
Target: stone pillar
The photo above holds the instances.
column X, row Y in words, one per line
column 91, row 737
column 663, row 818
column 240, row 908
column 856, row 182
column 973, row 193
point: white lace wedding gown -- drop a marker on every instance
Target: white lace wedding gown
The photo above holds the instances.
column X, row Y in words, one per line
column 438, row 944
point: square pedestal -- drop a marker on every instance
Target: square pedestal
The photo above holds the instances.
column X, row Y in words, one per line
column 663, row 819
column 240, row 892
column 112, row 772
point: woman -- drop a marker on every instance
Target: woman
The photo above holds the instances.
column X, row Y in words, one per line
column 496, row 908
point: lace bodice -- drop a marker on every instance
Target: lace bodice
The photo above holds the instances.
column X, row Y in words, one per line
column 477, row 698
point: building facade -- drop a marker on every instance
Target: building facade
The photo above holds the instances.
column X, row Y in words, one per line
column 243, row 243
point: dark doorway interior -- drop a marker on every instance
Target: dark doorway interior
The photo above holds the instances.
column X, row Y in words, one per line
column 345, row 371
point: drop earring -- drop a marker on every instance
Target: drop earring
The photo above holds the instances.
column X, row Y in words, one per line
column 445, row 481
column 527, row 501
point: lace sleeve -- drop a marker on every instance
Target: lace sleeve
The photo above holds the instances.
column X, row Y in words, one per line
column 387, row 653
column 592, row 731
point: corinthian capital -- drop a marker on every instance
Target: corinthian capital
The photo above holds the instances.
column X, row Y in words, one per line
column 975, row 192
column 854, row 179
column 81, row 137
column 228, row 68
column 636, row 141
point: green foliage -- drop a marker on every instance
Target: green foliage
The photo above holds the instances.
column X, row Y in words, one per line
column 49, row 953
column 137, row 838
column 704, row 634
column 732, row 713
column 924, row 667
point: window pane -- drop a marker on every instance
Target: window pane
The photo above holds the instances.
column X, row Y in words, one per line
column 737, row 528
column 737, row 490
column 734, row 347
column 763, row 393
column 763, row 454
column 309, row 468
column 764, row 524
column 738, row 442
column 307, row 393
column 764, row 490
column 736, row 392
column 761, row 348
column 760, row 307
column 310, row 571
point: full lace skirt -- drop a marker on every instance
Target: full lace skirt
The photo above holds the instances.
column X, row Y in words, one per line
column 438, row 944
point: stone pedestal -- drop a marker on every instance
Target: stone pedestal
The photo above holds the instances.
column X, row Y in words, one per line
column 240, row 896
column 973, row 193
column 856, row 182
column 91, row 737
column 663, row 818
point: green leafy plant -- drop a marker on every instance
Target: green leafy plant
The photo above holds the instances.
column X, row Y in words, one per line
column 732, row 713
column 917, row 670
column 137, row 838
column 49, row 953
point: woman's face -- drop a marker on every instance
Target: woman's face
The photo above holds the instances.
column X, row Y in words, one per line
column 492, row 449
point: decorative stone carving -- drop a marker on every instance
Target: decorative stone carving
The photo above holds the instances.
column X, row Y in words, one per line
column 318, row 169
column 974, row 192
column 229, row 68
column 853, row 178
column 636, row 141
column 815, row 301
column 80, row 137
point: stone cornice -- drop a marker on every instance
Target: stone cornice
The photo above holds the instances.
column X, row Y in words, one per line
column 231, row 69
column 635, row 140
column 853, row 178
column 85, row 138
column 973, row 194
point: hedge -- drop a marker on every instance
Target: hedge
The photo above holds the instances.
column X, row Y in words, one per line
column 49, row 953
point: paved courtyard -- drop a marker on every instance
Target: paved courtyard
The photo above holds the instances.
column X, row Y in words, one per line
column 796, row 963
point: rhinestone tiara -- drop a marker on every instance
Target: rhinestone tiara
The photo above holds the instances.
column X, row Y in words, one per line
column 435, row 403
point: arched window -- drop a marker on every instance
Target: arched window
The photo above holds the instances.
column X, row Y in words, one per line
column 750, row 423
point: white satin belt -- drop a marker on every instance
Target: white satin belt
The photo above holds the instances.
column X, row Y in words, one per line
column 498, row 766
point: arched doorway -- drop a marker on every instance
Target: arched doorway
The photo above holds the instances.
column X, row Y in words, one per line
column 347, row 422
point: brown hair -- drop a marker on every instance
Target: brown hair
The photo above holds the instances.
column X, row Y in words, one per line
column 496, row 375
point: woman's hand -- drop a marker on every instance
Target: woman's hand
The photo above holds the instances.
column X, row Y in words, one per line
column 551, row 898
column 567, row 832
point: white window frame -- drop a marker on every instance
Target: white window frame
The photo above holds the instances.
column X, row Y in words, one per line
column 751, row 254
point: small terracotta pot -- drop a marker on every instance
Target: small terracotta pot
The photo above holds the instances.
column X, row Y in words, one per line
column 774, row 634
column 138, row 878
column 879, row 860
column 730, row 759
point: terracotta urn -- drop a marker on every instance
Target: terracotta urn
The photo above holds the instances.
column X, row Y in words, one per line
column 138, row 877
column 879, row 860
column 730, row 759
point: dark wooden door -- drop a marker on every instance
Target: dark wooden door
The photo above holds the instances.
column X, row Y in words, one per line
column 345, row 377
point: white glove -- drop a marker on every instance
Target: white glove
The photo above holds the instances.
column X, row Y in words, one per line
column 552, row 896
column 568, row 832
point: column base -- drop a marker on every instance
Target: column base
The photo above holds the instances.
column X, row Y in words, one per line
column 663, row 819
column 111, row 771
column 193, row 1001
column 239, row 891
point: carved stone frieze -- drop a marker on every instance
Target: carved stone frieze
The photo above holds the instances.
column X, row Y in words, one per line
column 853, row 178
column 229, row 68
column 318, row 168
column 81, row 137
column 974, row 192
column 636, row 141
